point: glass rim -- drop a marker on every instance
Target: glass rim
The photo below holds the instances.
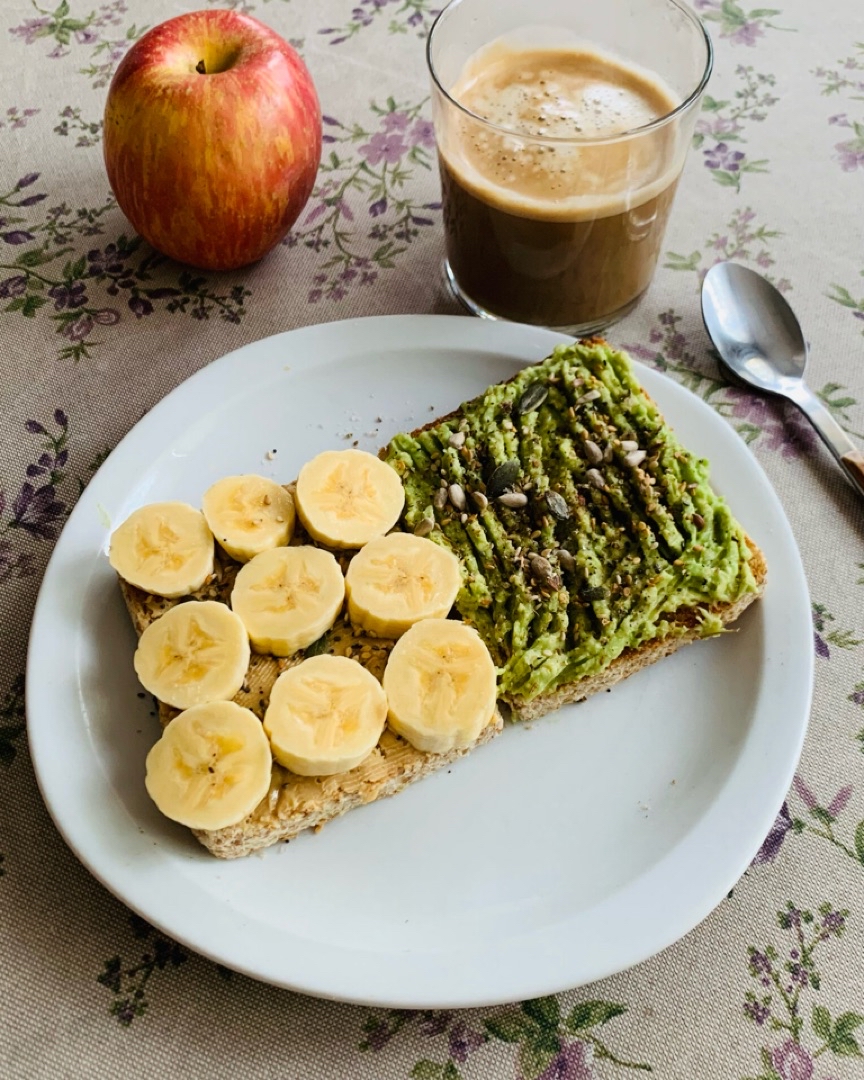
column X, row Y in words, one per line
column 642, row 129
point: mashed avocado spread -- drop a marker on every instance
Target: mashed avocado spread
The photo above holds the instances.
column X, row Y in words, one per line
column 581, row 523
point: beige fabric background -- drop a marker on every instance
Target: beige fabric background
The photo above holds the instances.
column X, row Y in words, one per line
column 788, row 96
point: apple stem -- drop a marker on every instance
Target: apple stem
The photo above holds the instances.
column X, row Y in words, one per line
column 199, row 67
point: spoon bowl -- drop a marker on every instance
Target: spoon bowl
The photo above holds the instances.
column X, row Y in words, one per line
column 753, row 328
column 761, row 344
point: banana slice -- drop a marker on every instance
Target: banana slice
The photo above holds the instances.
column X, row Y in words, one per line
column 195, row 653
column 325, row 716
column 211, row 767
column 248, row 515
column 163, row 548
column 288, row 597
column 399, row 579
column 440, row 685
column 346, row 498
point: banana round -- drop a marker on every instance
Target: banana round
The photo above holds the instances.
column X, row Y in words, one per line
column 163, row 548
column 211, row 767
column 325, row 716
column 195, row 653
column 440, row 683
column 288, row 597
column 399, row 579
column 345, row 498
column 248, row 514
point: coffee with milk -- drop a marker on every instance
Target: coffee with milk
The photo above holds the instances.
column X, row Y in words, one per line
column 551, row 217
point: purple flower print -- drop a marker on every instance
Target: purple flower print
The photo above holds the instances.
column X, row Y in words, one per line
column 748, row 34
column 573, row 1062
column 68, row 296
column 851, row 154
column 31, row 29
column 721, row 157
column 786, row 432
column 804, row 793
column 395, row 121
column 464, row 1041
column 792, row 1062
column 378, row 207
column 141, row 306
column 384, row 147
column 774, row 840
column 79, row 329
column 17, row 236
column 38, row 511
column 838, row 803
column 423, row 133
column 434, row 1023
column 13, row 286
column 757, row 1012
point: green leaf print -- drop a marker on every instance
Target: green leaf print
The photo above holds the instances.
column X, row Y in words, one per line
column 545, row 1012
column 822, row 1022
column 859, row 841
column 588, row 1014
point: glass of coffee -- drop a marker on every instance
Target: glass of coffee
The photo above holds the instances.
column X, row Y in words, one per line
column 562, row 128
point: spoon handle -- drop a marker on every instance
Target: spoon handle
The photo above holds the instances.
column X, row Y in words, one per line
column 849, row 457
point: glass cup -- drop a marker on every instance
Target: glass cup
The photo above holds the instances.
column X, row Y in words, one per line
column 562, row 127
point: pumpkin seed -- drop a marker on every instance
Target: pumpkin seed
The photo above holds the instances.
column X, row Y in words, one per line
column 533, row 398
column 557, row 505
column 505, row 476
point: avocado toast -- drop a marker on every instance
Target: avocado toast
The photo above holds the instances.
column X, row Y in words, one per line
column 590, row 543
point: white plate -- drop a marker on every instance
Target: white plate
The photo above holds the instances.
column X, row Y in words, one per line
column 560, row 853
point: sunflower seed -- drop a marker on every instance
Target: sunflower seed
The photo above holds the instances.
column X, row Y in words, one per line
column 634, row 458
column 593, row 452
column 557, row 505
column 565, row 560
column 424, row 526
column 595, row 477
column 457, row 496
column 591, row 395
column 541, row 570
column 533, row 398
column 515, row 500
column 609, row 452
column 479, row 500
column 457, row 439
column 628, row 444
column 505, row 476
column 439, row 499
column 699, row 521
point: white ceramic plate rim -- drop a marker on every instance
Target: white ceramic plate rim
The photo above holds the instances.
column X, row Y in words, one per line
column 636, row 922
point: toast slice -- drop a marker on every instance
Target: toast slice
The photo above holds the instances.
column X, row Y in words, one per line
column 592, row 542
column 574, row 582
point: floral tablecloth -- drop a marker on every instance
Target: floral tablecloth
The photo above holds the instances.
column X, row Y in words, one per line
column 95, row 328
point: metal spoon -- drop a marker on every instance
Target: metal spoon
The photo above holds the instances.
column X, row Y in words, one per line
column 760, row 341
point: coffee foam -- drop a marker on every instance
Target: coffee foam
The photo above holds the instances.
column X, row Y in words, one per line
column 546, row 106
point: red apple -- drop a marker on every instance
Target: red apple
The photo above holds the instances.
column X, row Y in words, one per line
column 212, row 138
